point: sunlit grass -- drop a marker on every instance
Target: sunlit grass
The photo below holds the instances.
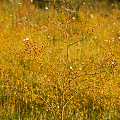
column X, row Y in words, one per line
column 57, row 64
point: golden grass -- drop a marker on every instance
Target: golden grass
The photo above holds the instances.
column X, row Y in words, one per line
column 57, row 65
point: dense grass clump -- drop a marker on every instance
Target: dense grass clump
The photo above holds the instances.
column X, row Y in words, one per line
column 60, row 62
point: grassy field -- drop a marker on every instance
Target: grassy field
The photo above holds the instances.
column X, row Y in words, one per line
column 60, row 64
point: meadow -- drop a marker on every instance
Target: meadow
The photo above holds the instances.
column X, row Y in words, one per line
column 60, row 62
